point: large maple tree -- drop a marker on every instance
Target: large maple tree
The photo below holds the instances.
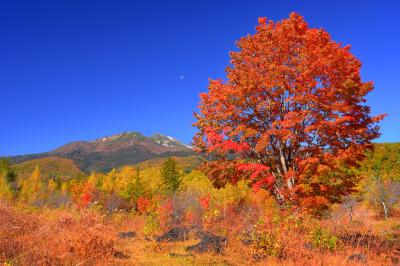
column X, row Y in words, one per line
column 291, row 115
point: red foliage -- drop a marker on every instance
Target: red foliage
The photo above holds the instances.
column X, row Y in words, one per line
column 291, row 113
column 167, row 207
column 191, row 217
column 86, row 198
column 143, row 204
column 259, row 173
column 205, row 201
column 165, row 211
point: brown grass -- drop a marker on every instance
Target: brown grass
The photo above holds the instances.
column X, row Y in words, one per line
column 53, row 238
column 84, row 237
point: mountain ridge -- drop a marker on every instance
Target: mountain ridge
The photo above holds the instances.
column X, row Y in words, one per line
column 103, row 154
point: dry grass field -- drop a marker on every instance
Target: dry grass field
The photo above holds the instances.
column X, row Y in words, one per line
column 85, row 237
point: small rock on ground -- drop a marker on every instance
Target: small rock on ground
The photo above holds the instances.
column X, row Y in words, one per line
column 175, row 234
column 358, row 257
column 124, row 235
column 209, row 242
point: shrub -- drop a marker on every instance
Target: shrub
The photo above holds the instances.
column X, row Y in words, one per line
column 151, row 224
column 196, row 182
column 113, row 202
column 143, row 205
column 266, row 243
column 205, row 201
column 231, row 194
column 324, row 239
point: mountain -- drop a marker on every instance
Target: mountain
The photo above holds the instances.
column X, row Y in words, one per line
column 110, row 152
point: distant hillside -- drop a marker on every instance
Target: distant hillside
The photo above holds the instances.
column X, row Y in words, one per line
column 110, row 152
column 49, row 167
column 189, row 163
column 385, row 160
column 133, row 148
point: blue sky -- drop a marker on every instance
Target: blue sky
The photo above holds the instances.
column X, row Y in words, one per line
column 78, row 70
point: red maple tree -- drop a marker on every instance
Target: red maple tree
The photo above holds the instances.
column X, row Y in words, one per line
column 291, row 115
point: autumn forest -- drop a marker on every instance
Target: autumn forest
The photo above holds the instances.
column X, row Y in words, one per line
column 285, row 168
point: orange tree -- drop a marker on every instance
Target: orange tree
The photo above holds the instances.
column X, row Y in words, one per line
column 291, row 115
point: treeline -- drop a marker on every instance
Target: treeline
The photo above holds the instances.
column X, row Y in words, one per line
column 383, row 160
column 119, row 189
column 137, row 188
column 380, row 178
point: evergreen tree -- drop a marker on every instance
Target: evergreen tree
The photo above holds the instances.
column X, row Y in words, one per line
column 170, row 175
column 138, row 186
column 7, row 171
column 135, row 188
column 5, row 190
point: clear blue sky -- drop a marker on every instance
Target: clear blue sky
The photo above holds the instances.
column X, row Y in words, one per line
column 78, row 70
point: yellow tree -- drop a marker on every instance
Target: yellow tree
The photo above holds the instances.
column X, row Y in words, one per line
column 109, row 182
column 6, row 192
column 32, row 188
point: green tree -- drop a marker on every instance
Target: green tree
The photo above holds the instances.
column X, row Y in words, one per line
column 5, row 190
column 7, row 171
column 135, row 188
column 170, row 175
column 7, row 180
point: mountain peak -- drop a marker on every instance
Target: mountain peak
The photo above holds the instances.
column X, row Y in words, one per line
column 168, row 141
column 120, row 136
column 112, row 151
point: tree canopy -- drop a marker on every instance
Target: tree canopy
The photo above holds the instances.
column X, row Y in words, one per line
column 291, row 115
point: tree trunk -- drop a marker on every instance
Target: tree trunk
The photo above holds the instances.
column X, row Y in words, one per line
column 385, row 209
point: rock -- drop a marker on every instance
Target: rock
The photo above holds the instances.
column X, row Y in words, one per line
column 246, row 241
column 246, row 237
column 120, row 255
column 198, row 232
column 124, row 235
column 259, row 257
column 358, row 257
column 209, row 242
column 175, row 234
column 309, row 246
